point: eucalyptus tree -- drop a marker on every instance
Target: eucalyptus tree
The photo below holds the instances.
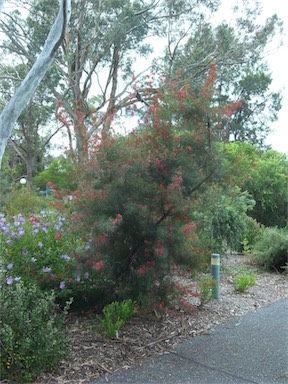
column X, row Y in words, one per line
column 34, row 129
column 238, row 50
column 25, row 91
column 97, row 55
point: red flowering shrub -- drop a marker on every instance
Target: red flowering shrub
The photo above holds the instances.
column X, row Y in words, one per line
column 137, row 194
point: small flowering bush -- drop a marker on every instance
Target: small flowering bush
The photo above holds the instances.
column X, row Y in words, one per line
column 42, row 249
column 37, row 250
column 31, row 332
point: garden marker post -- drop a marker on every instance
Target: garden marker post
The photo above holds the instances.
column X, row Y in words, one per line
column 215, row 270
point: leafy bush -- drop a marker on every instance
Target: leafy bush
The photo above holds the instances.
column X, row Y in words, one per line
column 263, row 174
column 31, row 333
column 61, row 172
column 228, row 219
column 271, row 250
column 252, row 232
column 38, row 250
column 116, row 315
column 44, row 250
column 205, row 289
column 24, row 200
column 244, row 281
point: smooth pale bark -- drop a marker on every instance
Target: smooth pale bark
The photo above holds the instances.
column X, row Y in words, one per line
column 29, row 85
column 1, row 5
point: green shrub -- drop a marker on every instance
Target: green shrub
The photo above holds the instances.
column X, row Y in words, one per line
column 31, row 333
column 252, row 232
column 244, row 281
column 38, row 250
column 271, row 250
column 116, row 315
column 205, row 289
column 26, row 201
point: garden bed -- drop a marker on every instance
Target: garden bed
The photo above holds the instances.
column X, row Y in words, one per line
column 94, row 355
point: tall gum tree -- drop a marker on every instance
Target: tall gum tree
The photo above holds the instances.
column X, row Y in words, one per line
column 238, row 50
column 26, row 90
column 97, row 57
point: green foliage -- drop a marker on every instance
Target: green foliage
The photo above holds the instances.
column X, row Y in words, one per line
column 226, row 211
column 244, row 281
column 38, row 250
column 116, row 315
column 61, row 172
column 271, row 250
column 205, row 289
column 242, row 75
column 31, row 335
column 137, row 194
column 252, row 232
column 268, row 187
column 262, row 174
column 46, row 251
column 24, row 200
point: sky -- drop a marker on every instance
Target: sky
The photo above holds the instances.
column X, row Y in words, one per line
column 277, row 60
column 278, row 65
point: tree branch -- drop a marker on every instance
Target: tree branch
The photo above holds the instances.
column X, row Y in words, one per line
column 29, row 85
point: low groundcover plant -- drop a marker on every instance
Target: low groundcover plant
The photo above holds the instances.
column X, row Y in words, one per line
column 115, row 315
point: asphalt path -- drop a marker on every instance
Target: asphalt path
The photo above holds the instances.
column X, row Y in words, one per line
column 249, row 349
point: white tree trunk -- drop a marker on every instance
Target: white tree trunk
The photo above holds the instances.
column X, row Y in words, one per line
column 28, row 86
column 1, row 5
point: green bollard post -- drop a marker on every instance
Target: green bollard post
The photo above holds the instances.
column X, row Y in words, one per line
column 215, row 270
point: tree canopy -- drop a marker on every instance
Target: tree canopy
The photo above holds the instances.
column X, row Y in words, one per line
column 95, row 75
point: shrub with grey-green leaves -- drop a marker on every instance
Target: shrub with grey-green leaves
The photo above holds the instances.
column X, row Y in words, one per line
column 271, row 249
column 31, row 332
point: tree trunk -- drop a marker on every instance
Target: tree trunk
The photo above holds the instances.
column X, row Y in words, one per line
column 28, row 86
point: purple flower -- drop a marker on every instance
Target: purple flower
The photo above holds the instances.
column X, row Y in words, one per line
column 33, row 259
column 10, row 266
column 86, row 275
column 44, row 229
column 17, row 278
column 46, row 269
column 9, row 280
column 62, row 285
column 17, row 223
column 78, row 278
column 24, row 251
column 65, row 257
column 8, row 241
column 40, row 245
column 21, row 232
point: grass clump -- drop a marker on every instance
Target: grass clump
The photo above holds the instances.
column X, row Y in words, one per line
column 244, row 281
